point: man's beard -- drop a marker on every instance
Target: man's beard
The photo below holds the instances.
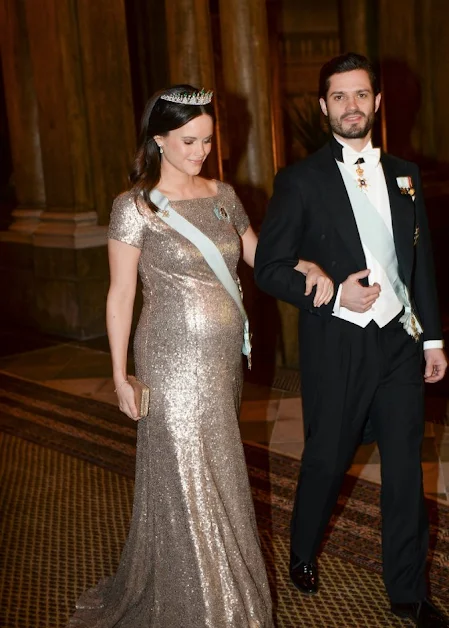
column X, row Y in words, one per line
column 354, row 131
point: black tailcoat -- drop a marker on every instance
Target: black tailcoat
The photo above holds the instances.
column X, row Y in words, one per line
column 310, row 217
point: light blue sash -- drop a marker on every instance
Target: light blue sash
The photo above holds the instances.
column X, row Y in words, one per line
column 210, row 253
column 377, row 238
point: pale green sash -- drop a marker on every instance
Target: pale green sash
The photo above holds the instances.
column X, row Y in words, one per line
column 377, row 238
column 211, row 254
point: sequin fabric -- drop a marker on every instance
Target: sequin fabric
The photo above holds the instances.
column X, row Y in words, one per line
column 192, row 558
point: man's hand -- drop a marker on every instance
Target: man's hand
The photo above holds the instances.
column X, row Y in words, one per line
column 436, row 364
column 315, row 276
column 356, row 297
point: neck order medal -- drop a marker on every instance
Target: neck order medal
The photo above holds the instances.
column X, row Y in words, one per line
column 362, row 183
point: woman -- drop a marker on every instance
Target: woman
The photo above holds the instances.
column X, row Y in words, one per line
column 192, row 558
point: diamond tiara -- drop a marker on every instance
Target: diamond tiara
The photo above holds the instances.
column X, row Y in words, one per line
column 202, row 97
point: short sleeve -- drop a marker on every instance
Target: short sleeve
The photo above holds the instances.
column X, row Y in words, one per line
column 240, row 218
column 126, row 223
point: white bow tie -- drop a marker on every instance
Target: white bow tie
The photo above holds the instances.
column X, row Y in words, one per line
column 371, row 157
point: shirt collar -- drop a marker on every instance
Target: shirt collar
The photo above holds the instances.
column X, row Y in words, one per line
column 337, row 148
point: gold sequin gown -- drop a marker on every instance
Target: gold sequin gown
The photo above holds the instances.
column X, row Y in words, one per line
column 192, row 558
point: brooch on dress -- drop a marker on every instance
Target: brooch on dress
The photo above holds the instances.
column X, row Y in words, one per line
column 221, row 213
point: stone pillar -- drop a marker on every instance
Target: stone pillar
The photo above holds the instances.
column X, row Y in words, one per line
column 435, row 20
column 81, row 72
column 413, row 40
column 191, row 57
column 400, row 66
column 358, row 22
column 23, row 123
column 274, row 17
column 246, row 73
column 189, row 42
column 108, row 96
column 358, row 27
column 251, row 127
column 148, row 54
column 85, row 129
column 16, row 250
column 434, row 126
column 432, row 32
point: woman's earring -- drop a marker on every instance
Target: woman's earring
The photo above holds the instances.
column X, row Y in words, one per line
column 161, row 150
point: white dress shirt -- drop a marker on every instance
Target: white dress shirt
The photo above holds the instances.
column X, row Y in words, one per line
column 387, row 306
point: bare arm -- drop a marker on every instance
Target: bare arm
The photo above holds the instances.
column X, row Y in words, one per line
column 249, row 244
column 123, row 261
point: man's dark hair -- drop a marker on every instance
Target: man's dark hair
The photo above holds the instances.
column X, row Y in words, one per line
column 346, row 63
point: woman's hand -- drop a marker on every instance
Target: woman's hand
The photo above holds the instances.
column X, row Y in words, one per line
column 315, row 276
column 126, row 401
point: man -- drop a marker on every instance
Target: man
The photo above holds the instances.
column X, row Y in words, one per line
column 360, row 215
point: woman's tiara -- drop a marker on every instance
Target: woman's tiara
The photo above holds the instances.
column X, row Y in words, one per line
column 202, row 97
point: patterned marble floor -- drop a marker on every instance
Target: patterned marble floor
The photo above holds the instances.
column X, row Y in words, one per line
column 269, row 417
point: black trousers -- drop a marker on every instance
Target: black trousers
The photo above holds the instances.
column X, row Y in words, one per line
column 359, row 375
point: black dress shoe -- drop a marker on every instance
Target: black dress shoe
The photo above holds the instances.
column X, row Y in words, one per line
column 305, row 577
column 424, row 614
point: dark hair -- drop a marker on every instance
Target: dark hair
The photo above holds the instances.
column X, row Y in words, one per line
column 159, row 117
column 345, row 63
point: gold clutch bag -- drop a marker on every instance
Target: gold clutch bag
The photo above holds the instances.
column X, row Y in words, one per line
column 141, row 396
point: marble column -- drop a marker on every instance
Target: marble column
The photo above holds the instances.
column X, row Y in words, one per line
column 432, row 36
column 189, row 42
column 246, row 73
column 191, row 57
column 252, row 151
column 358, row 22
column 108, row 96
column 83, row 137
column 23, row 123
column 413, row 42
column 17, row 279
column 413, row 46
column 358, row 27
column 86, row 120
column 435, row 48
column 148, row 54
column 399, row 62
column 433, row 44
column 274, row 17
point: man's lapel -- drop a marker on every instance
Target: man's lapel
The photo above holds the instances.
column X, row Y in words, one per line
column 337, row 204
column 402, row 217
